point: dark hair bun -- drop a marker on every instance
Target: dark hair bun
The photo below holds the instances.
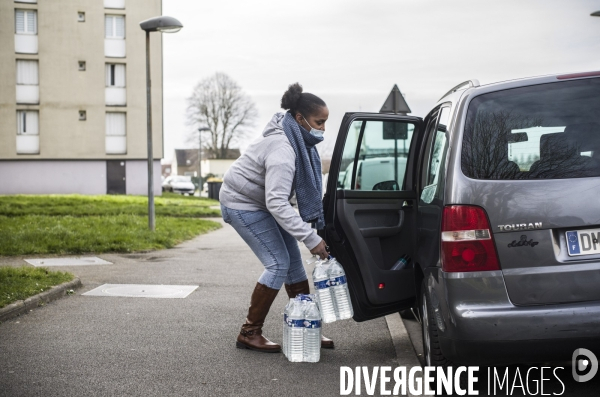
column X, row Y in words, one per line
column 291, row 97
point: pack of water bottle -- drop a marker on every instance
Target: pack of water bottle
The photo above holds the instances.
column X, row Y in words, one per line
column 302, row 329
column 331, row 289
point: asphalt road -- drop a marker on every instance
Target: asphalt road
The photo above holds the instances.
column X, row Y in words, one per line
column 115, row 346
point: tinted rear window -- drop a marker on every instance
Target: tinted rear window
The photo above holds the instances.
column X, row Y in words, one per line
column 548, row 131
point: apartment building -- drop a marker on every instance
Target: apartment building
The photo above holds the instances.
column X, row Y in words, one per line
column 73, row 96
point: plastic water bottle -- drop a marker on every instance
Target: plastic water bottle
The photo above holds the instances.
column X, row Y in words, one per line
column 295, row 349
column 323, row 291
column 402, row 263
column 307, row 297
column 312, row 333
column 339, row 288
column 286, row 326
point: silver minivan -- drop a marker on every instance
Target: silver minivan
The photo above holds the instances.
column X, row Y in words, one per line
column 498, row 210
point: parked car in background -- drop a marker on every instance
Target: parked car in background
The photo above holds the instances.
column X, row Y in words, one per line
column 495, row 201
column 179, row 184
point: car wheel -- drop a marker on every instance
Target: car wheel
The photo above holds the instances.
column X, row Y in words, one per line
column 431, row 346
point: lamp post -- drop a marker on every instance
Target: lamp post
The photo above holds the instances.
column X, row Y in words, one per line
column 200, row 159
column 595, row 14
column 157, row 24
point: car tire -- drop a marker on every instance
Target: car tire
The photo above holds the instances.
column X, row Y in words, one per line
column 431, row 345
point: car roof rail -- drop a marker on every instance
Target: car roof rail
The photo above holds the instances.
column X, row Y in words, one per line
column 470, row 83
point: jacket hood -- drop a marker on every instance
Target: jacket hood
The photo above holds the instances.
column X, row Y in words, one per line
column 275, row 126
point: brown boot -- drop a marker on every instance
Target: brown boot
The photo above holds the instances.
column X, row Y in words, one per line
column 250, row 336
column 303, row 288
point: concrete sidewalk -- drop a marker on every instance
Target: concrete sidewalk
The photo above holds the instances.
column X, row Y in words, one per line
column 99, row 346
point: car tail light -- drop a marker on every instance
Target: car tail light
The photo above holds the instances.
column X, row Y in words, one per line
column 467, row 244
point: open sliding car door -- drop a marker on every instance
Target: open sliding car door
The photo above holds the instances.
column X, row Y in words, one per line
column 370, row 210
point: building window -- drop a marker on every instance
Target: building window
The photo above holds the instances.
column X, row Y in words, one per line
column 114, row 26
column 115, row 93
column 82, row 66
column 26, row 41
column 114, row 4
column 81, row 16
column 25, row 22
column 28, row 133
column 26, row 1
column 28, row 89
column 115, row 75
column 116, row 137
column 82, row 115
column 114, row 36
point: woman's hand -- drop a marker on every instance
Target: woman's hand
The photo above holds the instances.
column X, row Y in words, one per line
column 320, row 250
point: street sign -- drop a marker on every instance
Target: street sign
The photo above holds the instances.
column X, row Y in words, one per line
column 395, row 103
column 395, row 130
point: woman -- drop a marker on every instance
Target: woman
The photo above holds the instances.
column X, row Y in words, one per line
column 255, row 200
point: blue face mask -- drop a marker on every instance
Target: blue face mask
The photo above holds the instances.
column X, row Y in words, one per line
column 314, row 131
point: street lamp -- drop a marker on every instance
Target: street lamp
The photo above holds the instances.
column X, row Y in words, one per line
column 200, row 158
column 595, row 14
column 156, row 24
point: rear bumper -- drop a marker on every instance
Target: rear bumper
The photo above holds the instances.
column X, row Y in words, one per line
column 480, row 324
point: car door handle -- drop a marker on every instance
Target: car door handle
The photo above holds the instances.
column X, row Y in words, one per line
column 383, row 231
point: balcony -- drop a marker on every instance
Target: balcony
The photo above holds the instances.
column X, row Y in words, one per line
column 28, row 144
column 28, row 94
column 114, row 4
column 26, row 44
column 114, row 48
column 116, row 144
column 116, row 96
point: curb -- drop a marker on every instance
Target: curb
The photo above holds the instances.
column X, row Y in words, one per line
column 25, row 306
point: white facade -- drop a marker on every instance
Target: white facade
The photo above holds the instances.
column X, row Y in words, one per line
column 26, row 44
column 73, row 177
column 114, row 4
column 217, row 167
column 139, row 184
column 114, row 48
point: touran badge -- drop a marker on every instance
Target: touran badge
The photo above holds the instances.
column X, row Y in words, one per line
column 520, row 226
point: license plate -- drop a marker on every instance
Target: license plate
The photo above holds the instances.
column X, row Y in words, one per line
column 583, row 242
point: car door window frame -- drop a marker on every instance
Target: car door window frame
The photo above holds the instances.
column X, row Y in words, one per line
column 408, row 180
column 431, row 133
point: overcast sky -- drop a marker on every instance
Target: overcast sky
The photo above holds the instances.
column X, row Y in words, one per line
column 352, row 52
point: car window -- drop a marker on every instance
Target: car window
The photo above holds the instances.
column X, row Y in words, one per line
column 547, row 131
column 381, row 159
column 436, row 148
column 349, row 153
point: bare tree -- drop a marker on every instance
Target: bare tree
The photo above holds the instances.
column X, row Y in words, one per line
column 485, row 144
column 219, row 103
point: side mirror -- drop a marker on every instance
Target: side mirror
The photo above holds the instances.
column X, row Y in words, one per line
column 387, row 185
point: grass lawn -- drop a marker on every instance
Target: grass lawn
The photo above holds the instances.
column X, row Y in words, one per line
column 18, row 283
column 173, row 205
column 74, row 224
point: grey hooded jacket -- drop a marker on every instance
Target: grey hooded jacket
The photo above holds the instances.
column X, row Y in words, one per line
column 262, row 180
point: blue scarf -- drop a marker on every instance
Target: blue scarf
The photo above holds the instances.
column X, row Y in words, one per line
column 308, row 176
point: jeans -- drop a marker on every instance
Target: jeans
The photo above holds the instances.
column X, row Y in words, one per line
column 277, row 250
